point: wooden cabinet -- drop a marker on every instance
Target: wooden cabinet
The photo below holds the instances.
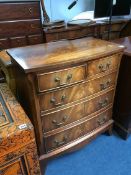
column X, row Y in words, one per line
column 20, row 21
column 98, row 29
column 67, row 89
column 18, row 153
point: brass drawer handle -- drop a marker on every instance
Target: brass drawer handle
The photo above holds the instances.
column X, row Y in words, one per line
column 103, row 103
column 101, row 121
column 59, row 143
column 58, row 124
column 69, row 77
column 30, row 10
column 58, row 80
column 105, row 85
column 54, row 102
column 103, row 67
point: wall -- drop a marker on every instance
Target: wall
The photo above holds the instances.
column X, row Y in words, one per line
column 58, row 9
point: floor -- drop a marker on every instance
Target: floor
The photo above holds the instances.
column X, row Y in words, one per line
column 106, row 155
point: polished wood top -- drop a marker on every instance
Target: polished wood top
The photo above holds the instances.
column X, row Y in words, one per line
column 126, row 41
column 67, row 52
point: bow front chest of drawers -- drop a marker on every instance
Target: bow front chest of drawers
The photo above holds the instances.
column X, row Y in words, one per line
column 67, row 89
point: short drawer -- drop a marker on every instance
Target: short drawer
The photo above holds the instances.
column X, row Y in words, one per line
column 63, row 138
column 18, row 41
column 65, row 116
column 26, row 10
column 61, row 97
column 60, row 78
column 16, row 28
column 103, row 65
column 35, row 39
column 4, row 43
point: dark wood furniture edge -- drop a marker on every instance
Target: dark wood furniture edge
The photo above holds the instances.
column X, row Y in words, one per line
column 123, row 132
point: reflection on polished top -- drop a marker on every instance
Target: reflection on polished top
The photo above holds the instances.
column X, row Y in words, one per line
column 32, row 58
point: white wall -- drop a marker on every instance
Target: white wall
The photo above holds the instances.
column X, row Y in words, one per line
column 58, row 9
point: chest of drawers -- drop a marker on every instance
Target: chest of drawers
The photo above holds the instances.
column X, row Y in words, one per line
column 18, row 153
column 20, row 23
column 67, row 89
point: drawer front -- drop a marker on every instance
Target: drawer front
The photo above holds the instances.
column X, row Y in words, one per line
column 62, row 117
column 15, row 168
column 35, row 39
column 88, row 31
column 98, row 103
column 103, row 65
column 19, row 10
column 60, row 139
column 60, row 78
column 4, row 43
column 18, row 41
column 71, row 114
column 100, row 84
column 20, row 28
column 61, row 97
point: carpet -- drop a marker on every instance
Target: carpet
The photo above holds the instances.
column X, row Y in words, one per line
column 106, row 155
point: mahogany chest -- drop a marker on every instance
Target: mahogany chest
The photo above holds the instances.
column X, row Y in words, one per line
column 18, row 153
column 67, row 88
column 20, row 23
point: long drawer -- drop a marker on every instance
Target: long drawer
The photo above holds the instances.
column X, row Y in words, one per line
column 24, row 10
column 61, row 97
column 62, row 138
column 71, row 114
column 20, row 41
column 14, row 28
